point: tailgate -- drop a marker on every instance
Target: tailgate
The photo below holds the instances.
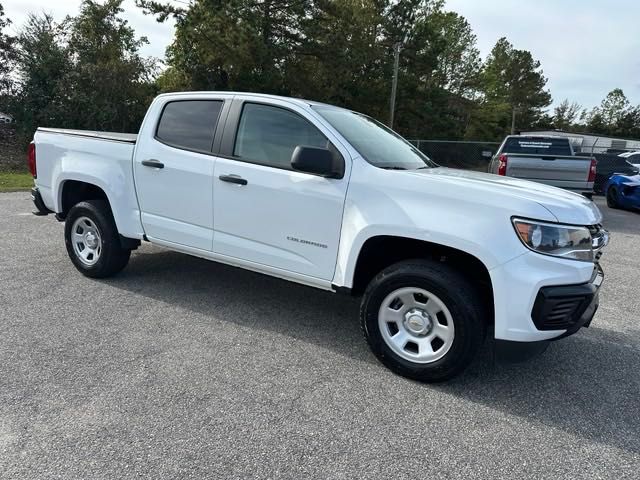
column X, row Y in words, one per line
column 549, row 168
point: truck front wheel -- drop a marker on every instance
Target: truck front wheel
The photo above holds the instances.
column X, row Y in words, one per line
column 423, row 320
column 92, row 240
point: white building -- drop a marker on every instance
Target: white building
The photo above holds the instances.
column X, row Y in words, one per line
column 592, row 143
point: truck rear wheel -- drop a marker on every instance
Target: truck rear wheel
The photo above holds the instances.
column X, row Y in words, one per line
column 92, row 240
column 423, row 320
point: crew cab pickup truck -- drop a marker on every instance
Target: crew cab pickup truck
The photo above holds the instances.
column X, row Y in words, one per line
column 332, row 199
column 549, row 160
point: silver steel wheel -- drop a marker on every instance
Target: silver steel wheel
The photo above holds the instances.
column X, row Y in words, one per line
column 86, row 240
column 416, row 325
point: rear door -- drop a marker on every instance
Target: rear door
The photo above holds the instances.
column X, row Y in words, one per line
column 266, row 213
column 173, row 170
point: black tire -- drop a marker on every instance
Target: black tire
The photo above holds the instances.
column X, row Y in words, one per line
column 113, row 258
column 612, row 197
column 459, row 296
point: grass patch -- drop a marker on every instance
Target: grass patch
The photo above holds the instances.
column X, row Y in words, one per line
column 15, row 181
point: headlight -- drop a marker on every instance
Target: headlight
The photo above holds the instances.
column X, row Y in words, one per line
column 565, row 241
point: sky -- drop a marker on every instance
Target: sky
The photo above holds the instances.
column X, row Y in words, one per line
column 158, row 34
column 586, row 47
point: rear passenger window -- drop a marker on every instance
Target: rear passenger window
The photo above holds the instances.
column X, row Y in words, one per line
column 189, row 124
column 268, row 135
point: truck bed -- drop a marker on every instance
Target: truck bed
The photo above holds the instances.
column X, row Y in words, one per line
column 103, row 159
column 113, row 136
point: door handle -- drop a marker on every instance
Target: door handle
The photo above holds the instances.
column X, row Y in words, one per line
column 153, row 163
column 233, row 179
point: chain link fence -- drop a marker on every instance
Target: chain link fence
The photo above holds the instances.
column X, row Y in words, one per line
column 458, row 154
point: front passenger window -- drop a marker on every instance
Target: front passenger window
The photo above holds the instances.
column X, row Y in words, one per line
column 267, row 135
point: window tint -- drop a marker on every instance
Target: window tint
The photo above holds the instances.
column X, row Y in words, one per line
column 189, row 124
column 268, row 135
column 538, row 145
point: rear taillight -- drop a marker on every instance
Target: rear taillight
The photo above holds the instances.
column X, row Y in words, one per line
column 31, row 159
column 592, row 171
column 502, row 165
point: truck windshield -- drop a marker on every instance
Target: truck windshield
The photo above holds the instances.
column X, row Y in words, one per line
column 377, row 144
column 537, row 145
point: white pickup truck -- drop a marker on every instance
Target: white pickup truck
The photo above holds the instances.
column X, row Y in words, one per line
column 330, row 198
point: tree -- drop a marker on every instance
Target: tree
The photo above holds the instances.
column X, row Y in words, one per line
column 443, row 76
column 7, row 54
column 609, row 114
column 337, row 51
column 344, row 56
column 233, row 44
column 110, row 84
column 84, row 72
column 458, row 59
column 565, row 115
column 614, row 116
column 614, row 107
column 43, row 61
column 511, row 76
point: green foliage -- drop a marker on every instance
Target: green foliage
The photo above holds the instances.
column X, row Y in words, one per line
column 110, row 81
column 565, row 115
column 615, row 117
column 84, row 72
column 512, row 77
column 337, row 51
column 7, row 54
column 87, row 72
column 43, row 64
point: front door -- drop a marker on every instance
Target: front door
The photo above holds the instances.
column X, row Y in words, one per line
column 266, row 213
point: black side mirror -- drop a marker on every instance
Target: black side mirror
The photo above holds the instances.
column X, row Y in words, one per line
column 319, row 161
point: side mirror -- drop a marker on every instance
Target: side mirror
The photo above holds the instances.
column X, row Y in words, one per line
column 319, row 161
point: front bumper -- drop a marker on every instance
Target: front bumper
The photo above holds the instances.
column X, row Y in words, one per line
column 525, row 288
column 567, row 307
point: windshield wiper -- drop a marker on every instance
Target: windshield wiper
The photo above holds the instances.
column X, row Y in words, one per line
column 394, row 168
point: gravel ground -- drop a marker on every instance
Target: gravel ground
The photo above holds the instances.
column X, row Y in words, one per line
column 182, row 368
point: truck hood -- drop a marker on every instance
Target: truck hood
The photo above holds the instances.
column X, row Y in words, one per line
column 565, row 206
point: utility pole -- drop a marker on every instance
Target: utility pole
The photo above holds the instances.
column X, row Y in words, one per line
column 513, row 120
column 394, row 83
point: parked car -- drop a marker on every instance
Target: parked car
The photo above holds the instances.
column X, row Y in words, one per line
column 623, row 191
column 332, row 199
column 549, row 160
column 632, row 157
column 607, row 165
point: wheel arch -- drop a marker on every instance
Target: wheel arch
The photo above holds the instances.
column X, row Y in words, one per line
column 73, row 192
column 381, row 251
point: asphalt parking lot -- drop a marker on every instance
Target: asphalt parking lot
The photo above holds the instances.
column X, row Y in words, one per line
column 182, row 368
